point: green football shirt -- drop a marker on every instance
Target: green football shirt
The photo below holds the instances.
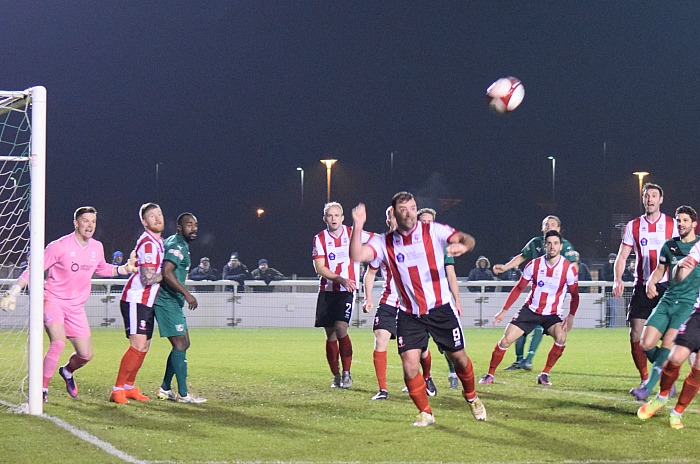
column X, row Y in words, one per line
column 671, row 252
column 177, row 251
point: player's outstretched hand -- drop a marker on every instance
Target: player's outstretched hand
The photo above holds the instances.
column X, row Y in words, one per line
column 456, row 249
column 499, row 317
column 359, row 215
column 131, row 266
column 8, row 302
column 499, row 268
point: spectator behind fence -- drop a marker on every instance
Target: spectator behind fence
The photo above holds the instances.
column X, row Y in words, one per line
column 481, row 272
column 204, row 271
column 117, row 260
column 584, row 274
column 237, row 271
column 266, row 273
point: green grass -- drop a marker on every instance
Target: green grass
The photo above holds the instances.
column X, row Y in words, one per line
column 269, row 400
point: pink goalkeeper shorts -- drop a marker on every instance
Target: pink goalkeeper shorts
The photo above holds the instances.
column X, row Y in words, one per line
column 73, row 318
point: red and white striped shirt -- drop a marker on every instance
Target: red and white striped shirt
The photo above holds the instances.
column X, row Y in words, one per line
column 390, row 294
column 646, row 239
column 417, row 262
column 549, row 284
column 336, row 254
column 149, row 252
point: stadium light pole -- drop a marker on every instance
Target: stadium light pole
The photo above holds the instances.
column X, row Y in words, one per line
column 329, row 163
column 554, row 172
column 301, row 173
column 641, row 175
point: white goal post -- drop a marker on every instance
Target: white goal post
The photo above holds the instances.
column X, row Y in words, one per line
column 22, row 226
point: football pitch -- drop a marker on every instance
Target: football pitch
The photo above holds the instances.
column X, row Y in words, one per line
column 270, row 401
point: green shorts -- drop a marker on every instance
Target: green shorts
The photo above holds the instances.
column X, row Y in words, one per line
column 171, row 319
column 670, row 314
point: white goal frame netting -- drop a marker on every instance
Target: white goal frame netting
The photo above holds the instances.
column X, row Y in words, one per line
column 22, row 213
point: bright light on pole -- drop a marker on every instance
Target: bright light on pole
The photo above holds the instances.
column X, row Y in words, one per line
column 329, row 163
column 260, row 212
column 641, row 175
column 301, row 173
column 554, row 175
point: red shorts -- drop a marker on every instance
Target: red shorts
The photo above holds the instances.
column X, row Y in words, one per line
column 72, row 317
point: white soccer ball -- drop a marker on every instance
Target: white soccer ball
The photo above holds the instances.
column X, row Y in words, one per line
column 505, row 94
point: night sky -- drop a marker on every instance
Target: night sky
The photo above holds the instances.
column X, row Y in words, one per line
column 228, row 98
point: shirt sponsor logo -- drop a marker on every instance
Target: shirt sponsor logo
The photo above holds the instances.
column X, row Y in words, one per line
column 176, row 253
column 74, row 267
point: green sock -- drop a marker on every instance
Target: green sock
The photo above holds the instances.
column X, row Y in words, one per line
column 652, row 354
column 535, row 342
column 180, row 366
column 655, row 374
column 169, row 373
column 450, row 366
column 520, row 348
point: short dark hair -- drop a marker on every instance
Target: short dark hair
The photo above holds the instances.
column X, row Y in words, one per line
column 181, row 218
column 552, row 233
column 651, row 186
column 83, row 210
column 401, row 197
column 689, row 211
column 146, row 207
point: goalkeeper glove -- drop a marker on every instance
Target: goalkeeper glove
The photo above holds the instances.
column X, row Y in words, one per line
column 8, row 302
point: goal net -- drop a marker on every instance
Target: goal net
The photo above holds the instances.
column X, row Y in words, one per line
column 22, row 181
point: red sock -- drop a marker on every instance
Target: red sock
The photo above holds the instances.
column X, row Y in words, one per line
column 380, row 368
column 669, row 374
column 129, row 360
column 496, row 358
column 332, row 352
column 466, row 376
column 426, row 363
column 76, row 362
column 640, row 360
column 553, row 356
column 131, row 379
column 345, row 347
column 690, row 389
column 416, row 390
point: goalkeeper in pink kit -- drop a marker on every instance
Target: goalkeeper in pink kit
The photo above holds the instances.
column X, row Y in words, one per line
column 70, row 261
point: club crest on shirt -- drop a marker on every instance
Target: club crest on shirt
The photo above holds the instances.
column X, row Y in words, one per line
column 643, row 242
column 540, row 283
column 400, row 257
column 331, row 256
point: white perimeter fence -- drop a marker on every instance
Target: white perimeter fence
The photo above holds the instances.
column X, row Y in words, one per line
column 292, row 303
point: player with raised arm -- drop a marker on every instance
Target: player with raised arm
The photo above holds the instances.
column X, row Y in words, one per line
column 676, row 304
column 169, row 305
column 534, row 249
column 552, row 277
column 337, row 284
column 70, row 262
column 414, row 253
column 645, row 236
column 687, row 342
column 384, row 325
column 136, row 304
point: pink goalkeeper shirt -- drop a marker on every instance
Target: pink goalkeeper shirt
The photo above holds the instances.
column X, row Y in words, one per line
column 70, row 268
